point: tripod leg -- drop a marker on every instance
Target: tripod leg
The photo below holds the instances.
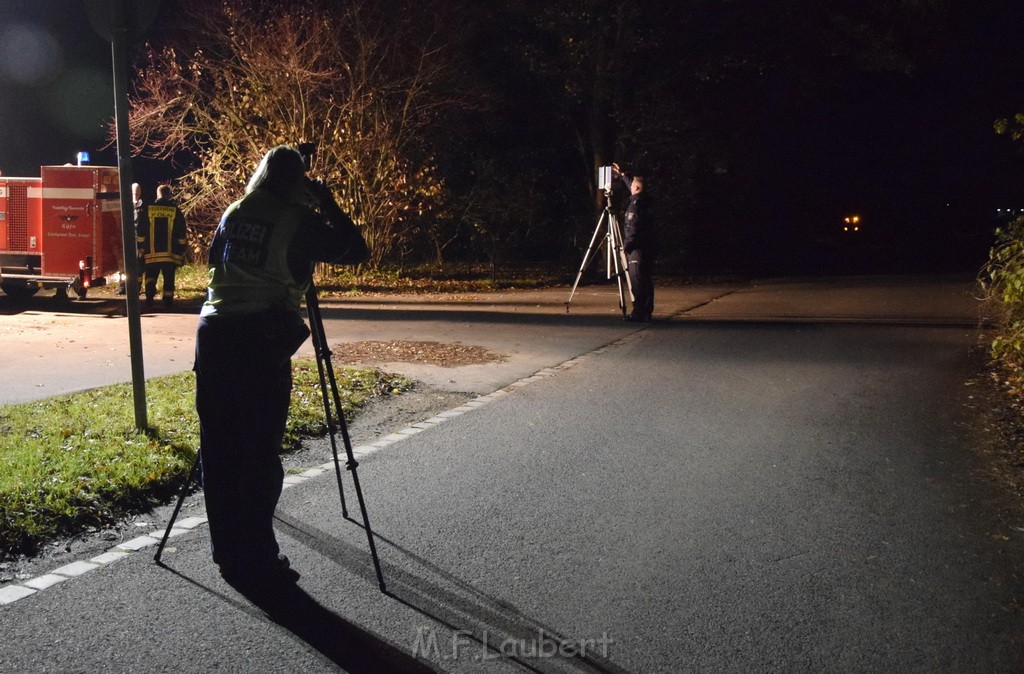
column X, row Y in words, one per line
column 611, row 270
column 177, row 507
column 621, row 263
column 323, row 360
column 327, row 368
column 587, row 257
column 620, row 251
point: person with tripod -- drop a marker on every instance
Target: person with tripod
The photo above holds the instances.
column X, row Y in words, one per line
column 639, row 245
column 261, row 264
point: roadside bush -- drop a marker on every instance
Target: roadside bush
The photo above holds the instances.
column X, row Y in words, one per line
column 1002, row 281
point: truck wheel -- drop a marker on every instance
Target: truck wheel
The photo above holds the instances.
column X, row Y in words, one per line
column 18, row 291
column 81, row 292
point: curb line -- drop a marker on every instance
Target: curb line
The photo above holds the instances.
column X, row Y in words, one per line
column 26, row 588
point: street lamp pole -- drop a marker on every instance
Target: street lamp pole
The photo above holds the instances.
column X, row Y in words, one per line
column 119, row 46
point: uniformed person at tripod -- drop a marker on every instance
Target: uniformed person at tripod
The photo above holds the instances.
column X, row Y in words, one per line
column 261, row 263
column 639, row 245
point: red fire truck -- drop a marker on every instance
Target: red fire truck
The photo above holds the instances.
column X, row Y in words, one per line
column 61, row 230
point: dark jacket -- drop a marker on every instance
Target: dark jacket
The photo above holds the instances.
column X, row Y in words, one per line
column 638, row 231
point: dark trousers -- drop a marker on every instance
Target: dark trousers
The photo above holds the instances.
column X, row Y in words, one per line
column 153, row 270
column 643, row 284
column 243, row 388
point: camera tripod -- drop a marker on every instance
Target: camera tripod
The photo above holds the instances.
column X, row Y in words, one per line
column 616, row 265
column 332, row 410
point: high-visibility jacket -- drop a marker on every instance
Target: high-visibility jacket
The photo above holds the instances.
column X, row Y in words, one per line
column 160, row 232
column 250, row 269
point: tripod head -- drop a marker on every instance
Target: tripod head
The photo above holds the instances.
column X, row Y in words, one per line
column 307, row 151
column 608, row 197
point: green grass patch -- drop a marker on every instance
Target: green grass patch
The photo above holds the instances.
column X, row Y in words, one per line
column 191, row 280
column 77, row 461
column 450, row 278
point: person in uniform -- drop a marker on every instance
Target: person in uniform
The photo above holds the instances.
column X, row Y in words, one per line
column 122, row 285
column 639, row 245
column 160, row 233
column 261, row 264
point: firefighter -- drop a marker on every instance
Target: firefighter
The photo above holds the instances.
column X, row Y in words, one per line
column 160, row 233
column 261, row 264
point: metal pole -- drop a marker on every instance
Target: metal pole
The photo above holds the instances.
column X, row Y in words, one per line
column 119, row 42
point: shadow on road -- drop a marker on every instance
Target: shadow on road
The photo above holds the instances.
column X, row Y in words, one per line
column 477, row 316
column 343, row 643
column 511, row 313
column 100, row 306
column 499, row 629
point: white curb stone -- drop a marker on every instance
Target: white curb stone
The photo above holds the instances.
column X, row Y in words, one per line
column 190, row 522
column 75, row 569
column 137, row 543
column 13, row 593
column 43, row 582
column 110, row 557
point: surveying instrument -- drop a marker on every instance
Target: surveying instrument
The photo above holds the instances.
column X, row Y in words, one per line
column 608, row 234
column 335, row 421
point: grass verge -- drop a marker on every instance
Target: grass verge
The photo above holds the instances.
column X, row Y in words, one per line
column 191, row 280
column 77, row 461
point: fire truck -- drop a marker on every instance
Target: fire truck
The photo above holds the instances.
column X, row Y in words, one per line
column 61, row 230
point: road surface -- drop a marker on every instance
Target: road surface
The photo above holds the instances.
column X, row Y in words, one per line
column 781, row 478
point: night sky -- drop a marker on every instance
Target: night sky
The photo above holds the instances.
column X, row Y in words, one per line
column 56, row 87
column 918, row 142
column 56, row 91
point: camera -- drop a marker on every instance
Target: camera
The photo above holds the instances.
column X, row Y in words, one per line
column 307, row 150
column 604, row 178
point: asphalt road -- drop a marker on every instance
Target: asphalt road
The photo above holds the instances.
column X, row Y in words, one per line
column 778, row 479
column 50, row 348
